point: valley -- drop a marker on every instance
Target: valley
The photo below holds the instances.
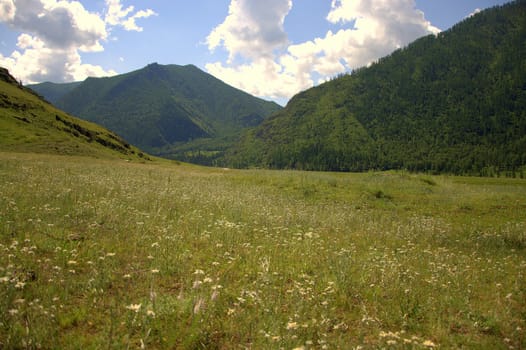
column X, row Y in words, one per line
column 383, row 209
column 103, row 253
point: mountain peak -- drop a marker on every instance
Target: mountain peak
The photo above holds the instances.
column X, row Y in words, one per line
column 154, row 66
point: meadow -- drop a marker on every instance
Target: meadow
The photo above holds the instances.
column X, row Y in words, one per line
column 124, row 255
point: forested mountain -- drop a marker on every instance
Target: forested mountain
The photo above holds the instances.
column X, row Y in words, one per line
column 453, row 103
column 53, row 92
column 174, row 111
column 30, row 124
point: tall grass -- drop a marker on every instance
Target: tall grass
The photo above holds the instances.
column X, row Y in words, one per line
column 100, row 254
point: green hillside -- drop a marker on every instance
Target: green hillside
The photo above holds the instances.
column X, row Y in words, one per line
column 173, row 111
column 454, row 103
column 29, row 124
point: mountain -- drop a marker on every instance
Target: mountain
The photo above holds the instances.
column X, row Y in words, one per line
column 54, row 92
column 455, row 103
column 169, row 110
column 30, row 124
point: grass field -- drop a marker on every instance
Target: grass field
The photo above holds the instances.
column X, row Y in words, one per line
column 117, row 255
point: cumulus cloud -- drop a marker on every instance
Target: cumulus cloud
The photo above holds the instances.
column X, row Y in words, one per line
column 261, row 77
column 60, row 24
column 252, row 29
column 369, row 30
column 39, row 63
column 55, row 32
column 400, row 16
column 376, row 28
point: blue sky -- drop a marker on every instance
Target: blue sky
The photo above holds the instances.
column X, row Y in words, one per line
column 269, row 48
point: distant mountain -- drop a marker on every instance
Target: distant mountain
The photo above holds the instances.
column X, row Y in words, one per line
column 169, row 110
column 453, row 103
column 30, row 124
column 54, row 92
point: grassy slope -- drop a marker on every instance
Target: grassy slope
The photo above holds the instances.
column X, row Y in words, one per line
column 28, row 124
column 103, row 254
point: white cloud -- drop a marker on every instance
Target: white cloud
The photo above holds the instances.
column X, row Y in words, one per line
column 55, row 32
column 117, row 16
column 40, row 63
column 60, row 24
column 477, row 10
column 7, row 10
column 401, row 16
column 252, row 29
column 370, row 29
column 262, row 77
column 115, row 13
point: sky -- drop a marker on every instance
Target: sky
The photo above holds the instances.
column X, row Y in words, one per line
column 269, row 48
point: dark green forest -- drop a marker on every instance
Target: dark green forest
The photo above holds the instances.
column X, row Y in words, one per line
column 172, row 111
column 451, row 103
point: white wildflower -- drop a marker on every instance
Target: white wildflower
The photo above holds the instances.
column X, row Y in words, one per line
column 292, row 325
column 429, row 344
column 134, row 307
